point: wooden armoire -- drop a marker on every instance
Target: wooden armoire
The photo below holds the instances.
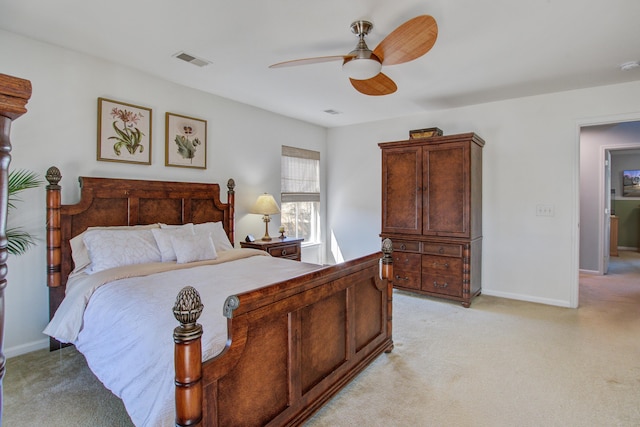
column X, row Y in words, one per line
column 432, row 212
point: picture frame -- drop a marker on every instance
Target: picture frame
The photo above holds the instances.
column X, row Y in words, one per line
column 631, row 183
column 124, row 132
column 185, row 141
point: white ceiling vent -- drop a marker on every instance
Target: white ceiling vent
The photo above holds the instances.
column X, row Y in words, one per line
column 192, row 59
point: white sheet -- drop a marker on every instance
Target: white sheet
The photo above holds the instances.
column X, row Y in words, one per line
column 127, row 332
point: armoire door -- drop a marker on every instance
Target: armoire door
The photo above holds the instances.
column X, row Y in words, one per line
column 402, row 190
column 446, row 199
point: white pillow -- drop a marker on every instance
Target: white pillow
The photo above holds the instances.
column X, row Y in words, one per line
column 117, row 248
column 195, row 247
column 79, row 252
column 163, row 239
column 219, row 236
column 163, row 225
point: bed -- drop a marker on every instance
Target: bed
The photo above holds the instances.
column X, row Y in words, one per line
column 292, row 334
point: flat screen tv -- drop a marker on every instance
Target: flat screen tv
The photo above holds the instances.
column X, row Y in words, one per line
column 631, row 183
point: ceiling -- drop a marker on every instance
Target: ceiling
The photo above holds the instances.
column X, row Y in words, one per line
column 486, row 50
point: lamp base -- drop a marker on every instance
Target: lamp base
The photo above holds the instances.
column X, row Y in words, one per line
column 266, row 220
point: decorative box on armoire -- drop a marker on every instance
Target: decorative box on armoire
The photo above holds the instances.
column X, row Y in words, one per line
column 432, row 212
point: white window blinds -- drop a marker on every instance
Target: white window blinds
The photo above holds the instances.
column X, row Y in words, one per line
column 300, row 175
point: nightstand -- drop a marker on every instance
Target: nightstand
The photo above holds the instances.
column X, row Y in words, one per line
column 288, row 247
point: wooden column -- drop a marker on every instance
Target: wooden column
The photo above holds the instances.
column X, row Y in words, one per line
column 188, row 358
column 14, row 95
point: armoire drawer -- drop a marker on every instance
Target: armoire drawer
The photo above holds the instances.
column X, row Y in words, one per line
column 446, row 249
column 406, row 278
column 407, row 261
column 441, row 265
column 406, row 245
column 442, row 284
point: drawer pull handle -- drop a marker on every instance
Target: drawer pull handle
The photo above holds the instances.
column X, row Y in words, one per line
column 441, row 250
column 403, row 246
column 284, row 252
column 436, row 285
column 401, row 278
column 444, row 264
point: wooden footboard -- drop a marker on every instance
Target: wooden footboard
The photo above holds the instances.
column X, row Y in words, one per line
column 291, row 346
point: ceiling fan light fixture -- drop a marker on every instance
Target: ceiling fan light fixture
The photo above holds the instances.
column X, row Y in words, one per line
column 362, row 68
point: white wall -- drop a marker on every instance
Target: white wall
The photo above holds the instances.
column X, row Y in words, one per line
column 60, row 129
column 530, row 157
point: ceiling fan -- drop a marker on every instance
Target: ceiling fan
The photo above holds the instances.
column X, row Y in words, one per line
column 409, row 41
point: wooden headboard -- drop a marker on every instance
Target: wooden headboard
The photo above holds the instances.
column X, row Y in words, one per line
column 117, row 202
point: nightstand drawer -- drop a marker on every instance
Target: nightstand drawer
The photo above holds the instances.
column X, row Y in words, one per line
column 287, row 247
column 288, row 251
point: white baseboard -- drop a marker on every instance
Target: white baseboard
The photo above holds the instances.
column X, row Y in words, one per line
column 626, row 248
column 528, row 298
column 26, row 348
column 589, row 271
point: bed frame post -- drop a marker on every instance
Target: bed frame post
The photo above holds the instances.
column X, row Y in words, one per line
column 231, row 200
column 386, row 262
column 54, row 247
column 386, row 273
column 54, row 242
column 188, row 358
column 14, row 95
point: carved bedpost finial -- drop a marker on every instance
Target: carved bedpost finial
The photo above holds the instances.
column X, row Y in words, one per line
column 53, row 175
column 387, row 247
column 231, row 185
column 188, row 358
column 187, row 310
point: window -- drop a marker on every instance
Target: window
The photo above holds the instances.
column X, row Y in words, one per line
column 300, row 193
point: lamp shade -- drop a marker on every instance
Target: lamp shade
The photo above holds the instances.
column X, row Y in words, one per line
column 265, row 205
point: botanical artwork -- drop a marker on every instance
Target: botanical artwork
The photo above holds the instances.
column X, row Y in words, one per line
column 124, row 132
column 186, row 141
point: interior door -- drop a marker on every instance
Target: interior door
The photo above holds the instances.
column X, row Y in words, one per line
column 607, row 212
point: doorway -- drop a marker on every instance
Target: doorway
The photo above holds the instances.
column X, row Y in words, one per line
column 597, row 139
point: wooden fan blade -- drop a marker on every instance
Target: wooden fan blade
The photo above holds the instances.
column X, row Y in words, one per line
column 409, row 41
column 375, row 86
column 306, row 61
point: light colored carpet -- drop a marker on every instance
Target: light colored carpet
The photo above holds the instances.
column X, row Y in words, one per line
column 499, row 363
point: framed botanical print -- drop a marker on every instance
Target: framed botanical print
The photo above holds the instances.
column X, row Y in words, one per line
column 124, row 132
column 186, row 141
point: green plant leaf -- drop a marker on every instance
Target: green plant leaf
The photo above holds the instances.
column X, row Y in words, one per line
column 18, row 240
column 20, row 180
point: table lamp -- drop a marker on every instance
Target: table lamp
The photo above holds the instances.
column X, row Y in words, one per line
column 266, row 205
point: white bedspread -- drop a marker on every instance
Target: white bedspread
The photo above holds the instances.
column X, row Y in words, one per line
column 126, row 331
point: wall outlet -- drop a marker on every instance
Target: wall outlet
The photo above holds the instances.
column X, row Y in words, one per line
column 545, row 210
